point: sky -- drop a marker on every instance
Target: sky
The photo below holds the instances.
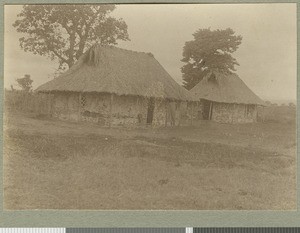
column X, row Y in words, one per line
column 267, row 55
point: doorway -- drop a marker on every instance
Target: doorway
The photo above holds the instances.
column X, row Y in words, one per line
column 207, row 110
column 150, row 113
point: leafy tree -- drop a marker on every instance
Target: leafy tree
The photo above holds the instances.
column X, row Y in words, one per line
column 25, row 83
column 63, row 32
column 208, row 51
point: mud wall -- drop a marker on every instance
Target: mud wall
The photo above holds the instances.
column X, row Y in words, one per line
column 65, row 106
column 129, row 110
column 180, row 113
column 234, row 113
column 124, row 110
column 106, row 110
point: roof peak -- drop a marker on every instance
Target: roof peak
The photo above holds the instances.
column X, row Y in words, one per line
column 95, row 53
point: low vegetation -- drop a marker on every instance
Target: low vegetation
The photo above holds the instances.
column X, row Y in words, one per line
column 279, row 114
column 50, row 164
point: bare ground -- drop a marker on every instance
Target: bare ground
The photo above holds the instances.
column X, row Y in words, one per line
column 50, row 164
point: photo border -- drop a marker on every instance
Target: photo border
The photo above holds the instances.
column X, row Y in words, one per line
column 140, row 218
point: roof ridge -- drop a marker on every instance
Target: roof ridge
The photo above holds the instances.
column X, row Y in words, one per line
column 115, row 47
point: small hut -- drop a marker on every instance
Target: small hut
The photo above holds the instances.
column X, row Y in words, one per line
column 226, row 98
column 113, row 86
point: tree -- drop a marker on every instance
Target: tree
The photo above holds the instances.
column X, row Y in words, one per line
column 291, row 104
column 63, row 32
column 12, row 88
column 25, row 83
column 209, row 51
column 268, row 103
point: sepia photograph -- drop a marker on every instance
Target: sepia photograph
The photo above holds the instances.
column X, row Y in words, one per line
column 150, row 107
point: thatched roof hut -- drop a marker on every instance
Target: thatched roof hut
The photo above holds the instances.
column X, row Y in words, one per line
column 225, row 88
column 117, row 86
column 108, row 69
column 226, row 98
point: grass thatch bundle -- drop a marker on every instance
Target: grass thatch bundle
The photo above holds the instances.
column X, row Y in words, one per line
column 92, row 56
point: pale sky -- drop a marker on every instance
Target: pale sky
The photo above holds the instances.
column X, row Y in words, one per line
column 267, row 55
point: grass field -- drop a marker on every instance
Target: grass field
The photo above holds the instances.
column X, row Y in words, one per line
column 50, row 164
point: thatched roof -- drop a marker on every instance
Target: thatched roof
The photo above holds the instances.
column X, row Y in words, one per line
column 225, row 88
column 109, row 69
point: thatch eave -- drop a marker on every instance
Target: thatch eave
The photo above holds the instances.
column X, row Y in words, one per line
column 222, row 102
column 131, row 95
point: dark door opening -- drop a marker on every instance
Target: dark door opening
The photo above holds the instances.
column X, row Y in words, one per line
column 150, row 113
column 207, row 110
